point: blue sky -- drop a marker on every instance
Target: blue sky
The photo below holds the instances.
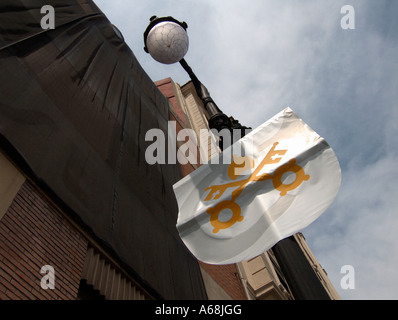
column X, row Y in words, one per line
column 258, row 57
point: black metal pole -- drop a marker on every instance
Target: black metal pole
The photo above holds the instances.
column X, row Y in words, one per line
column 300, row 276
column 218, row 120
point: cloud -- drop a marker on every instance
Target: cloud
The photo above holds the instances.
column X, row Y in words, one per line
column 360, row 230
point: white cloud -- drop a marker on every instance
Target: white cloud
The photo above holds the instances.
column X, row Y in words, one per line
column 360, row 230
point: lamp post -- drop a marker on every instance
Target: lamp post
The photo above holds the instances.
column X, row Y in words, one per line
column 166, row 40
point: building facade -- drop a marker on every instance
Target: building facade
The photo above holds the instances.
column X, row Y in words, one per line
column 35, row 234
column 260, row 278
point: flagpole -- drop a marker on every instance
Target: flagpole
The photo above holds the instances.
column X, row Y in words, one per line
column 301, row 278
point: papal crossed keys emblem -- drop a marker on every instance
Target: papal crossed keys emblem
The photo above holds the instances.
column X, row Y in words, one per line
column 241, row 164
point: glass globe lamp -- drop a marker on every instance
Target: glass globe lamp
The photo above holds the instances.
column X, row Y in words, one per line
column 166, row 40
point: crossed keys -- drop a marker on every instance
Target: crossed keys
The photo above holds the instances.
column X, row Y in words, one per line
column 216, row 191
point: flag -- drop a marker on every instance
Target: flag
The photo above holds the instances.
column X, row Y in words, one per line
column 267, row 186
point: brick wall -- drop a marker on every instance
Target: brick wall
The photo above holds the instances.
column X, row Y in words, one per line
column 166, row 88
column 227, row 278
column 34, row 233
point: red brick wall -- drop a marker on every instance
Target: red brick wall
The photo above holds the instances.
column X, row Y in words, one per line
column 227, row 278
column 166, row 88
column 34, row 233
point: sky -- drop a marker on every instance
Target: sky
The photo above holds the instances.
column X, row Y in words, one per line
column 258, row 57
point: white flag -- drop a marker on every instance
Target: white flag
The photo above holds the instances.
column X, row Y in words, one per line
column 285, row 177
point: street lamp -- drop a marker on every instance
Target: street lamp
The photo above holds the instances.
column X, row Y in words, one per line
column 166, row 40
